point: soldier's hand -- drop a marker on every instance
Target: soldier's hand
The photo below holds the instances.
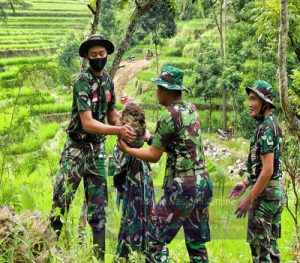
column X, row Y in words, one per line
column 243, row 208
column 237, row 191
column 122, row 146
column 127, row 133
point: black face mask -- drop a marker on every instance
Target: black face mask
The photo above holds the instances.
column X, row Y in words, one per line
column 98, row 64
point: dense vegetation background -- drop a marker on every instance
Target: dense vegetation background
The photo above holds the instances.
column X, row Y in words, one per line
column 221, row 45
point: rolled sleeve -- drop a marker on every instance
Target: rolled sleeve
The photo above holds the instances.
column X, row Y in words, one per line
column 164, row 130
column 266, row 141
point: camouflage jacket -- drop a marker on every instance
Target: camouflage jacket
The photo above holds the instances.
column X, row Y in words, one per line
column 129, row 171
column 90, row 93
column 178, row 131
column 267, row 139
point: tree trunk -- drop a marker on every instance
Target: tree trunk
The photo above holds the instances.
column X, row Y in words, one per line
column 94, row 27
column 234, row 107
column 220, row 25
column 294, row 123
column 224, row 109
column 210, row 114
column 138, row 12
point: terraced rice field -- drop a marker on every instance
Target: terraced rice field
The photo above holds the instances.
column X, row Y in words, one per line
column 31, row 35
column 34, row 30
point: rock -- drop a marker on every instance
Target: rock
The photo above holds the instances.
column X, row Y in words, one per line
column 134, row 116
column 230, row 169
column 29, row 232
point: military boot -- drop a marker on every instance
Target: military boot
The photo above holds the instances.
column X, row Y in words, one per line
column 99, row 243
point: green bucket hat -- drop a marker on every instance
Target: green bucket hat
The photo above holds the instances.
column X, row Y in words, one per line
column 171, row 78
column 264, row 90
column 96, row 40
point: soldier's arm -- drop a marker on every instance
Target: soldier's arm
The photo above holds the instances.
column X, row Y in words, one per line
column 150, row 154
column 91, row 125
column 260, row 185
column 264, row 177
column 113, row 117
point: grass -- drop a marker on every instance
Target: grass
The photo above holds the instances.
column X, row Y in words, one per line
column 50, row 108
column 11, row 74
column 25, row 60
column 43, row 19
column 230, row 248
column 27, row 46
column 4, row 32
column 33, row 143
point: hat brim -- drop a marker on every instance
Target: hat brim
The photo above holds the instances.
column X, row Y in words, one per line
column 248, row 90
column 169, row 86
column 85, row 46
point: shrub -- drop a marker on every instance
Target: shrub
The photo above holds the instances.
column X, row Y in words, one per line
column 191, row 50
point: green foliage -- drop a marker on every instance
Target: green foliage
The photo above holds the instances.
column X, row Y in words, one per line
column 27, row 199
column 246, row 124
column 108, row 21
column 191, row 50
column 209, row 71
column 266, row 21
column 39, row 76
column 35, row 141
column 294, row 92
column 188, row 10
column 68, row 52
column 159, row 21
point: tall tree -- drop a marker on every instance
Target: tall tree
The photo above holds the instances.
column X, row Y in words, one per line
column 209, row 69
column 219, row 9
column 160, row 23
column 291, row 116
column 292, row 144
column 139, row 11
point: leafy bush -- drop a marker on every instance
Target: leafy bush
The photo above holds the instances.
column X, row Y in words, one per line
column 246, row 124
column 191, row 50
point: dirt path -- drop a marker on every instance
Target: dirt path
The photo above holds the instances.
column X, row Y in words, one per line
column 124, row 74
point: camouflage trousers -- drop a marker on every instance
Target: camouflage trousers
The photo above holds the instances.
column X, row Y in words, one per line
column 137, row 204
column 82, row 161
column 184, row 205
column 264, row 225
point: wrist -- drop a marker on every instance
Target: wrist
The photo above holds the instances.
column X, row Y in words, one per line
column 119, row 129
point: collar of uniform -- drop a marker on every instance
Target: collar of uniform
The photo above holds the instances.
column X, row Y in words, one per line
column 94, row 81
column 178, row 101
column 264, row 118
column 91, row 73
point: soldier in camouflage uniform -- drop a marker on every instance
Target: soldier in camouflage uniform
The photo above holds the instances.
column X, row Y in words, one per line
column 84, row 155
column 137, row 195
column 187, row 185
column 266, row 199
column 132, row 178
